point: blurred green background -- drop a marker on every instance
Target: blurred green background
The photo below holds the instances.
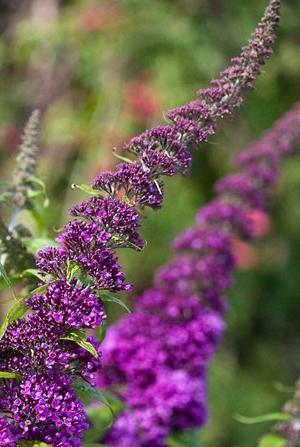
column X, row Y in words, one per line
column 101, row 71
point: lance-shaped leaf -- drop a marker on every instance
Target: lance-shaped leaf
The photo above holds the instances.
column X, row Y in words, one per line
column 87, row 189
column 6, row 279
column 263, row 418
column 10, row 375
column 109, row 298
column 17, row 311
column 79, row 337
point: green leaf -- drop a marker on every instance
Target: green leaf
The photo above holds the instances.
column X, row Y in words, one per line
column 40, row 289
column 102, row 332
column 184, row 439
column 264, row 418
column 43, row 192
column 272, row 440
column 87, row 189
column 3, row 327
column 36, row 244
column 79, row 337
column 38, row 181
column 6, row 197
column 72, row 269
column 284, row 388
column 9, row 375
column 121, row 157
column 89, row 394
column 33, row 444
column 94, row 444
column 4, row 184
column 7, row 280
column 17, row 311
column 109, row 298
column 33, row 272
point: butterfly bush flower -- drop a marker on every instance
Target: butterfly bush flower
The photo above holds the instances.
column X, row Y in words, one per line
column 177, row 324
column 47, row 348
column 290, row 429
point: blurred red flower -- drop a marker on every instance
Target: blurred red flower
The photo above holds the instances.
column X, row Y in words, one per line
column 142, row 102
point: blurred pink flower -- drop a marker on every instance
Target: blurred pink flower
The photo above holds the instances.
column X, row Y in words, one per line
column 94, row 19
column 244, row 254
column 262, row 223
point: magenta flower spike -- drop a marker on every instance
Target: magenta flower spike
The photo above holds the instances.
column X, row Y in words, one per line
column 40, row 348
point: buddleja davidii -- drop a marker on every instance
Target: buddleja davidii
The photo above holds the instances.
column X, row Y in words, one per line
column 52, row 338
column 19, row 194
column 162, row 372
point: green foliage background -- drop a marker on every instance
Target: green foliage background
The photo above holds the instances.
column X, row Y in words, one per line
column 93, row 68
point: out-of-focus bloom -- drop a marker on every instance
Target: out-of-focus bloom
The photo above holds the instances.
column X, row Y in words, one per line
column 26, row 161
column 95, row 19
column 262, row 223
column 178, row 323
column 141, row 100
column 245, row 255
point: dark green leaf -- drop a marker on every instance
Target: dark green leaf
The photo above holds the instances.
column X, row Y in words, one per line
column 33, row 272
column 184, row 439
column 79, row 337
column 283, row 388
column 17, row 311
column 4, row 184
column 102, row 332
column 41, row 192
column 109, row 298
column 6, row 279
column 6, row 197
column 36, row 244
column 94, row 444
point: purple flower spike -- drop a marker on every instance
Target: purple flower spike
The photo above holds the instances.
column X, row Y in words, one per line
column 39, row 346
column 157, row 358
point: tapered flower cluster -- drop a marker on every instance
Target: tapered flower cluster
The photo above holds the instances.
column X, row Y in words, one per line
column 26, row 162
column 158, row 355
column 46, row 348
